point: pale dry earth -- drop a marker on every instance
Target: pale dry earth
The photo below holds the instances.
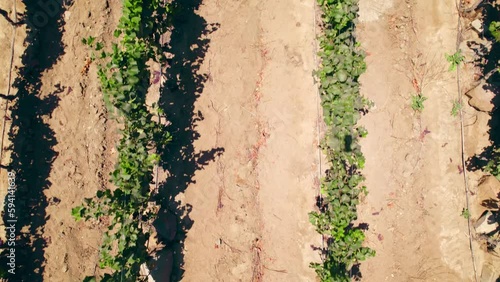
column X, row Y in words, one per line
column 414, row 167
column 250, row 207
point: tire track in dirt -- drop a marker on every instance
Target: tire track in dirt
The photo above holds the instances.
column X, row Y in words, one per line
column 250, row 209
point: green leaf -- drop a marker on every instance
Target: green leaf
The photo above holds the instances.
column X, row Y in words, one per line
column 90, row 40
column 133, row 80
column 100, row 194
column 133, row 71
column 136, row 20
column 126, row 176
column 494, row 29
column 78, row 212
column 99, row 46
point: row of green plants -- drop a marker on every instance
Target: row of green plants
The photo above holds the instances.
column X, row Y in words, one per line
column 342, row 62
column 124, row 78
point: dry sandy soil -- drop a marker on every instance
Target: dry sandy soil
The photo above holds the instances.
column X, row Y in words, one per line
column 250, row 172
column 414, row 166
column 63, row 145
column 250, row 206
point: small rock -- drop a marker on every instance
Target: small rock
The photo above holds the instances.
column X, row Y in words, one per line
column 477, row 25
column 480, row 98
column 486, row 223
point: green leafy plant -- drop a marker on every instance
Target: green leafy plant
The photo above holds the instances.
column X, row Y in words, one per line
column 457, row 106
column 89, row 41
column 455, row 60
column 465, row 213
column 417, row 102
column 493, row 166
column 78, row 213
column 494, row 29
column 342, row 62
column 123, row 75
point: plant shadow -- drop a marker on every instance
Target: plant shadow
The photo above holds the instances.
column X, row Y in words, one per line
column 184, row 84
column 488, row 62
column 32, row 141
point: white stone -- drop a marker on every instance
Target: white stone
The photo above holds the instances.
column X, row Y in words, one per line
column 486, row 223
column 477, row 25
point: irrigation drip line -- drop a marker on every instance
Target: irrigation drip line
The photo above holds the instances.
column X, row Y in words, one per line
column 156, row 169
column 157, row 166
column 462, row 140
column 9, row 82
column 318, row 117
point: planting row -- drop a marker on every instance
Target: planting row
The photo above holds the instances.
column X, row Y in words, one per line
column 124, row 80
column 341, row 65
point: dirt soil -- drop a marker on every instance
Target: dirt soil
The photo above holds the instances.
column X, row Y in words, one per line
column 250, row 206
column 86, row 142
column 414, row 167
column 253, row 166
column 81, row 146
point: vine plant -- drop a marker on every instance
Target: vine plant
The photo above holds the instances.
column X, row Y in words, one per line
column 342, row 62
column 124, row 79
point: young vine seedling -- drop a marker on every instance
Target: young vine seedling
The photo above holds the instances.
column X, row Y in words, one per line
column 456, row 108
column 465, row 213
column 417, row 102
column 455, row 60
